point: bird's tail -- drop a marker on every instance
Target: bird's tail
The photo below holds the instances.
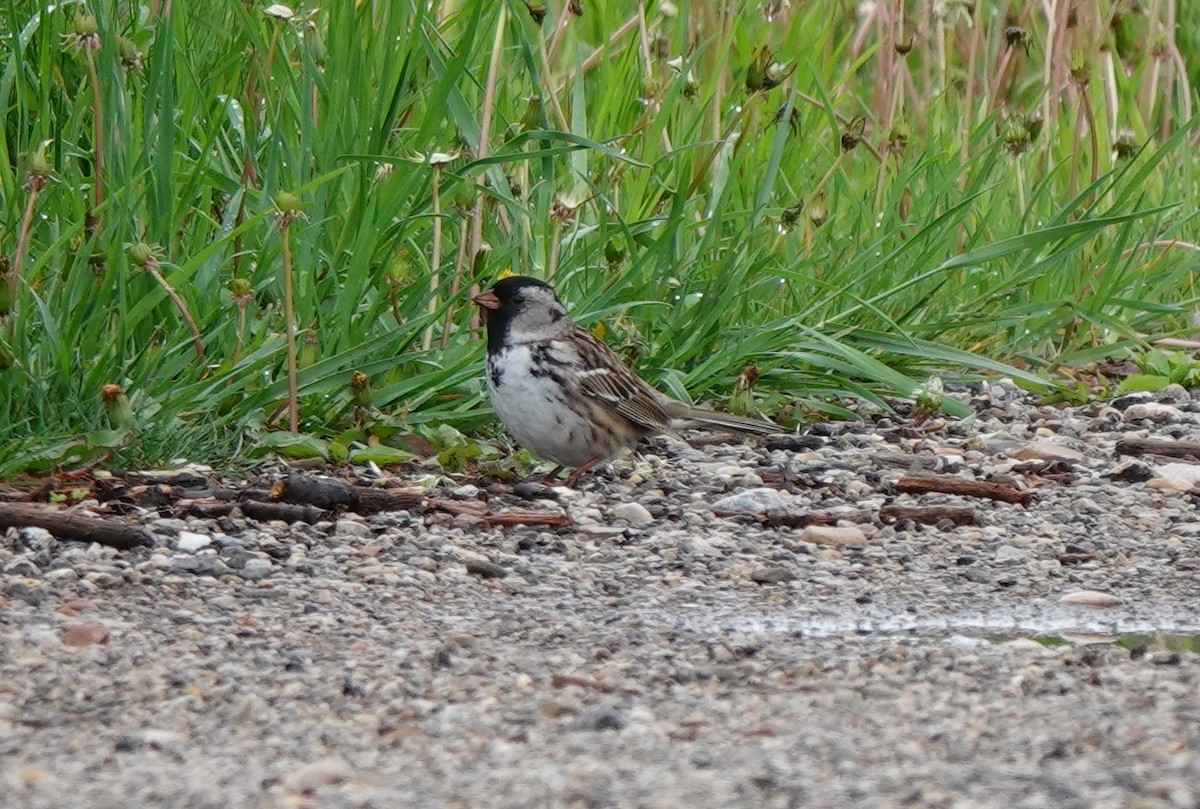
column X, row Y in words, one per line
column 723, row 421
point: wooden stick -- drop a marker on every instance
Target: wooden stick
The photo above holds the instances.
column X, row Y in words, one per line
column 69, row 525
column 330, row 494
column 949, row 484
column 1155, row 446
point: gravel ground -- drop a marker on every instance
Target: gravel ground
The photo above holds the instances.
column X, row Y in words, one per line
column 673, row 647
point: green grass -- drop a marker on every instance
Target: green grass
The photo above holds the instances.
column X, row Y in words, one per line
column 874, row 218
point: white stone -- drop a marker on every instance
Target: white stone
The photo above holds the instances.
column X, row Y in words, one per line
column 1090, row 598
column 849, row 535
column 354, row 528
column 1154, row 411
column 752, row 501
column 190, row 541
column 633, row 513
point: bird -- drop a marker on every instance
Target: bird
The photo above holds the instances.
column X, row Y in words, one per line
column 563, row 394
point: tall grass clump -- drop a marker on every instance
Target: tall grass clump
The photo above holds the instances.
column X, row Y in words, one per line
column 816, row 199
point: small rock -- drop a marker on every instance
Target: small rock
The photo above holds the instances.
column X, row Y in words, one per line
column 849, row 535
column 1153, row 411
column 256, row 568
column 1170, row 484
column 1180, row 471
column 35, row 539
column 1130, row 399
column 166, row 741
column 633, row 513
column 793, row 443
column 1173, row 393
column 23, row 568
column 200, row 566
column 1090, row 598
column 485, row 569
column 322, row 772
column 1131, row 471
column 85, row 635
column 467, row 491
column 752, row 501
column 772, row 575
column 600, row 717
column 1047, row 451
column 190, row 541
column 1009, row 553
column 353, row 528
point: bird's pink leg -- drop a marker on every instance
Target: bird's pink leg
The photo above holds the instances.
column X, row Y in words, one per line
column 573, row 478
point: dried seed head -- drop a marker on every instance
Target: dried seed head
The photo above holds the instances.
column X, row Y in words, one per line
column 765, row 72
column 1125, row 146
column 1017, row 37
column 84, row 25
column 1014, row 132
column 287, row 202
column 39, row 173
column 131, row 57
column 537, row 11
column 85, row 33
column 1033, row 124
column 240, row 288
column 898, row 136
column 360, row 386
column 287, row 205
column 818, row 214
column 142, row 255
column 118, row 408
column 790, row 216
column 1080, row 68
column 854, row 133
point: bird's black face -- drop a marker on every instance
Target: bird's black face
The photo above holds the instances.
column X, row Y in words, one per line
column 520, row 309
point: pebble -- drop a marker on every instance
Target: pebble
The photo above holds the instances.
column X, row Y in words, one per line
column 772, row 575
column 486, row 569
column 1047, row 451
column 1090, row 598
column 633, row 513
column 849, row 535
column 352, row 528
column 190, row 541
column 752, row 501
column 1153, row 411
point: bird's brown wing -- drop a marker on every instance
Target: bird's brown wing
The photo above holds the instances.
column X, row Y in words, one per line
column 605, row 378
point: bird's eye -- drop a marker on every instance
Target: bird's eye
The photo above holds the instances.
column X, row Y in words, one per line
column 518, row 298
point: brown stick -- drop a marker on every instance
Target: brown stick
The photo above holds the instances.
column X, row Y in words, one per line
column 1155, row 446
column 949, row 484
column 930, row 515
column 803, row 519
column 330, row 494
column 527, row 518
column 68, row 525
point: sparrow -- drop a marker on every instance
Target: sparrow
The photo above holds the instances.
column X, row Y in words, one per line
column 563, row 394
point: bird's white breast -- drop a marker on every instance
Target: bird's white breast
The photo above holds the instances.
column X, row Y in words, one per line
column 530, row 397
